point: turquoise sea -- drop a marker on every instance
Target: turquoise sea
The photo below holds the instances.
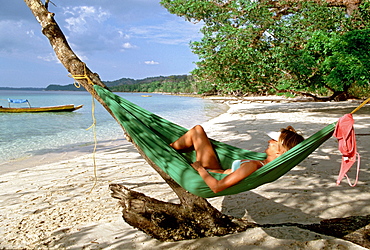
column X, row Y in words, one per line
column 26, row 134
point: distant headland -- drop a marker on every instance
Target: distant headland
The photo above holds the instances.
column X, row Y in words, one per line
column 123, row 84
column 12, row 88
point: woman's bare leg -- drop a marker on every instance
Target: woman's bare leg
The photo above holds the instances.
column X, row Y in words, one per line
column 197, row 138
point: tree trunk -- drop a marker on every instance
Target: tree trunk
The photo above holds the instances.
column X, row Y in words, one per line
column 172, row 222
column 194, row 217
column 202, row 219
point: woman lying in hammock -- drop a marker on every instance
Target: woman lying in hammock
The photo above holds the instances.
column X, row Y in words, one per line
column 206, row 159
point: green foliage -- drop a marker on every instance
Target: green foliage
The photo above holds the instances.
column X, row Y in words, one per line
column 360, row 92
column 170, row 84
column 278, row 46
column 69, row 87
column 333, row 60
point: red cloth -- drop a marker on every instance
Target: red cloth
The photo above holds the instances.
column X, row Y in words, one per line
column 345, row 134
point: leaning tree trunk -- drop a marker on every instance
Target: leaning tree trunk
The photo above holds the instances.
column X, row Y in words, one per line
column 194, row 217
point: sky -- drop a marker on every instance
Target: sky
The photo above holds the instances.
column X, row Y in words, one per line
column 116, row 39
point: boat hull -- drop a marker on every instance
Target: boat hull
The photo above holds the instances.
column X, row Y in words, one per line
column 62, row 108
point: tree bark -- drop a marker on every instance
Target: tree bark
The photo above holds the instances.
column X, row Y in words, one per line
column 194, row 217
column 172, row 222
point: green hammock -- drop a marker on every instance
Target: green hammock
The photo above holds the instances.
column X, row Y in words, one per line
column 153, row 134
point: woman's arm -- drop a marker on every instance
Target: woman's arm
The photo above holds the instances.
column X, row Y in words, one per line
column 219, row 185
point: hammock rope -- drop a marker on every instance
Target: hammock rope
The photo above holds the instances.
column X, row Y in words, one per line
column 360, row 106
column 81, row 77
column 93, row 125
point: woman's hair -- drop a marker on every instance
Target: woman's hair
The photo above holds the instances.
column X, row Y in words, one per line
column 289, row 138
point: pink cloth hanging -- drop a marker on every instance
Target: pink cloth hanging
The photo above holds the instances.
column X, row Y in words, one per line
column 345, row 134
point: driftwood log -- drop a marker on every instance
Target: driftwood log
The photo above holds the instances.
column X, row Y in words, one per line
column 193, row 217
column 172, row 222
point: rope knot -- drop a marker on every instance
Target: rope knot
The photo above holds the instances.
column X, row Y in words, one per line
column 80, row 77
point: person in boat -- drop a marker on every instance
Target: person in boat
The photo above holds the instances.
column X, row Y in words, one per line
column 206, row 159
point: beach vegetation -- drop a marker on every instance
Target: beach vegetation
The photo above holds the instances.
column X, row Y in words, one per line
column 312, row 48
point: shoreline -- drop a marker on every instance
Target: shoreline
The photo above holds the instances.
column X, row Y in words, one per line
column 43, row 157
column 24, row 135
column 50, row 205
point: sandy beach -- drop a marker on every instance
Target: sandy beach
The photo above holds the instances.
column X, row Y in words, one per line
column 50, row 201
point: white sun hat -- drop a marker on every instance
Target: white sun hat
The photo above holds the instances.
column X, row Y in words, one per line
column 274, row 135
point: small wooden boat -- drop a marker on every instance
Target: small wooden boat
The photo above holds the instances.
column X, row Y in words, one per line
column 62, row 108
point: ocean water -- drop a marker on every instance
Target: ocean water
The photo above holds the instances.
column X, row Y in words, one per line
column 26, row 134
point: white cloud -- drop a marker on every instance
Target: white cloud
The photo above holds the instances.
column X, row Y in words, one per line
column 151, row 62
column 93, row 29
column 97, row 30
column 49, row 58
column 123, row 35
column 31, row 33
column 128, row 46
column 19, row 36
column 172, row 32
column 83, row 18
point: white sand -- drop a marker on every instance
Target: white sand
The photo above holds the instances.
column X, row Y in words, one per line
column 46, row 202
